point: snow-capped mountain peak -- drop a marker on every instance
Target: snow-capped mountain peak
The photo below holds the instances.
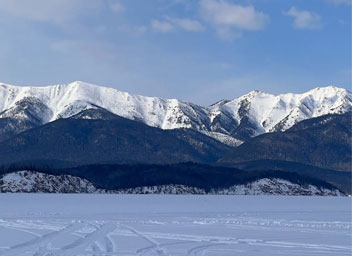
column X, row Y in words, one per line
column 246, row 116
column 267, row 112
column 65, row 100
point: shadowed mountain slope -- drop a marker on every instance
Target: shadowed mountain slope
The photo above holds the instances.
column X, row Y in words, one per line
column 98, row 136
column 324, row 141
column 341, row 179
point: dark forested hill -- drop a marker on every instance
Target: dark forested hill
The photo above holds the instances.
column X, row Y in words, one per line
column 98, row 136
column 341, row 179
column 207, row 177
column 324, row 141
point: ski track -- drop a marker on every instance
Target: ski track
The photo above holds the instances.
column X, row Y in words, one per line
column 80, row 245
column 110, row 246
column 40, row 241
column 100, row 238
column 155, row 246
column 201, row 248
column 96, row 250
column 25, row 231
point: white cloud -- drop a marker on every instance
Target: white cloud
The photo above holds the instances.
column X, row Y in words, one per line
column 57, row 11
column 222, row 13
column 170, row 24
column 186, row 24
column 162, row 26
column 304, row 19
column 230, row 19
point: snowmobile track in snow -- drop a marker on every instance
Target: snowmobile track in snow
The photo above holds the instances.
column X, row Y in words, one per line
column 40, row 241
column 81, row 244
column 69, row 225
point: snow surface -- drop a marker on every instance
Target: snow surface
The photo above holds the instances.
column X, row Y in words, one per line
column 92, row 224
column 36, row 182
column 267, row 112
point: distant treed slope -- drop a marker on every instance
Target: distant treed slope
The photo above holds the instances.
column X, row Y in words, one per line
column 340, row 179
column 324, row 141
column 97, row 136
column 207, row 177
column 244, row 117
column 37, row 182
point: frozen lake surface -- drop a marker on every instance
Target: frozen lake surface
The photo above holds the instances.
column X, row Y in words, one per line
column 51, row 224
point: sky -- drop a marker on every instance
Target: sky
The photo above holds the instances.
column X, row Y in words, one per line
column 195, row 50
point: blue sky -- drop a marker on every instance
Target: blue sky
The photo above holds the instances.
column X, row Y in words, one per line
column 195, row 50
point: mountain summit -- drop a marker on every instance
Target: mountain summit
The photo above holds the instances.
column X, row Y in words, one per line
column 229, row 121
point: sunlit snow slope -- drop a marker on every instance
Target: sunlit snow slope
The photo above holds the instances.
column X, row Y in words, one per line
column 244, row 117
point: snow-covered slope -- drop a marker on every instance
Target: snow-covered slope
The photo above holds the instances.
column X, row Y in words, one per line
column 35, row 182
column 263, row 186
column 263, row 112
column 69, row 99
column 249, row 115
column 276, row 186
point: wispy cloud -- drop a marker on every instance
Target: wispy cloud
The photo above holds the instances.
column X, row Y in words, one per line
column 186, row 24
column 304, row 19
column 225, row 17
column 162, row 26
column 170, row 23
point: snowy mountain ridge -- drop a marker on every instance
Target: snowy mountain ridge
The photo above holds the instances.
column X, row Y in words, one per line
column 35, row 182
column 241, row 118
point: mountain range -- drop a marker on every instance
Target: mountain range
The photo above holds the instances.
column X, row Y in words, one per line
column 76, row 129
column 230, row 121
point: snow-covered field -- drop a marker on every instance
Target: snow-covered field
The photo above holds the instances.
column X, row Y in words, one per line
column 94, row 224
